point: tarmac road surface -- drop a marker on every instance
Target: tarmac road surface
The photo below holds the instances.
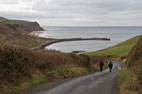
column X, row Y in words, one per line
column 98, row 83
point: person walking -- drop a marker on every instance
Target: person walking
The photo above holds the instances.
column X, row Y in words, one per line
column 101, row 65
column 110, row 65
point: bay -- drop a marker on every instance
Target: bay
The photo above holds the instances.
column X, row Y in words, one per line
column 117, row 34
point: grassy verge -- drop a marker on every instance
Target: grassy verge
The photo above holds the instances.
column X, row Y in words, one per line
column 121, row 49
column 128, row 82
column 60, row 73
column 124, row 75
column 130, row 79
column 69, row 72
column 23, row 84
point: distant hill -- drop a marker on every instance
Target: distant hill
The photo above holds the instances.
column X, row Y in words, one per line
column 8, row 21
column 15, row 35
column 25, row 25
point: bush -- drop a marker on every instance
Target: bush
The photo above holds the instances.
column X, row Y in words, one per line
column 51, row 60
column 18, row 65
column 15, row 64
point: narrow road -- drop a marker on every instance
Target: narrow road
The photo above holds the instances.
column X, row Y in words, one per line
column 98, row 83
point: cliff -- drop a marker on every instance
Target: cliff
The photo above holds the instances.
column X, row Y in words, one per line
column 30, row 26
column 15, row 35
column 25, row 25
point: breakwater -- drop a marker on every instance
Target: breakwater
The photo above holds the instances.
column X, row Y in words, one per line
column 52, row 41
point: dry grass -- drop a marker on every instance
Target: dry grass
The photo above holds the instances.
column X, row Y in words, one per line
column 21, row 68
column 50, row 60
column 132, row 84
column 12, row 34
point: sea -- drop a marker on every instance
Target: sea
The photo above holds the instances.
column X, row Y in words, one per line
column 117, row 34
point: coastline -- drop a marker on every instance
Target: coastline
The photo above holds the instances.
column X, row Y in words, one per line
column 52, row 41
column 35, row 33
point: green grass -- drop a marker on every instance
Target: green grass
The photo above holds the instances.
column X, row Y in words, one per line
column 130, row 78
column 69, row 72
column 8, row 21
column 128, row 82
column 16, row 22
column 121, row 49
column 124, row 75
column 73, row 71
column 28, row 83
column 36, row 82
column 3, row 19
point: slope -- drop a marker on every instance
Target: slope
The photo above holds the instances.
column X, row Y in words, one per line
column 25, row 25
column 121, row 49
column 130, row 79
column 12, row 34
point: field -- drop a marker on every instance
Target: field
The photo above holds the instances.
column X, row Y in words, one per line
column 121, row 49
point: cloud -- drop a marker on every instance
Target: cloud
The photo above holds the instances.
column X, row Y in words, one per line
column 8, row 2
column 71, row 12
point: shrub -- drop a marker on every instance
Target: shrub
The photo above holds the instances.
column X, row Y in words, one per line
column 51, row 60
column 15, row 64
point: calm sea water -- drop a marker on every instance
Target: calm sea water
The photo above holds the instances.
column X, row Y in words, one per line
column 116, row 34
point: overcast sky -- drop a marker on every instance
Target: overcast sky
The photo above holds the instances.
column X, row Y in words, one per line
column 75, row 12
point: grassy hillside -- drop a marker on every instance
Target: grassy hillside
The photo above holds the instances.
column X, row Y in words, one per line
column 121, row 49
column 21, row 68
column 130, row 79
column 3, row 19
column 8, row 21
column 11, row 34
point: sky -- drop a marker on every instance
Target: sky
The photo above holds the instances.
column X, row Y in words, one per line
column 75, row 12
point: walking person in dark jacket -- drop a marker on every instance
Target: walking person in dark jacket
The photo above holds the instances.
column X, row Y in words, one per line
column 110, row 65
column 101, row 65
